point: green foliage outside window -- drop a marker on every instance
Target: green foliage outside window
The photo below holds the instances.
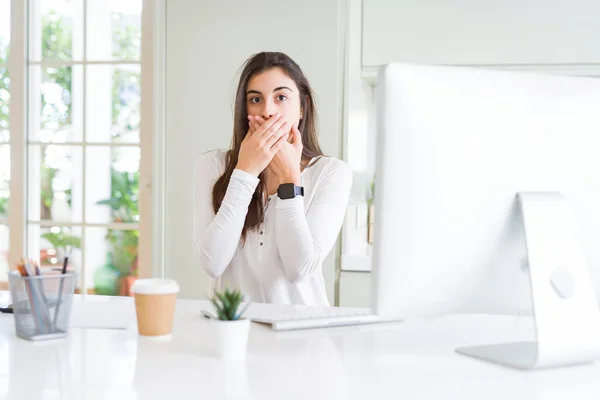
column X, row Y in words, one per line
column 123, row 201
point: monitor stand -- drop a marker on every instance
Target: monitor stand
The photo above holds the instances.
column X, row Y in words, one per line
column 565, row 308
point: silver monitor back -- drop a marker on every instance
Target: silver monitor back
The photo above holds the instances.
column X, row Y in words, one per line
column 455, row 146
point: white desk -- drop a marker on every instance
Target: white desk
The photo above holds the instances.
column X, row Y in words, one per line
column 413, row 360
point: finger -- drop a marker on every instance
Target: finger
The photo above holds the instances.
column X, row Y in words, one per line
column 266, row 123
column 258, row 120
column 278, row 145
column 297, row 137
column 251, row 129
column 281, row 133
column 274, row 129
column 271, row 125
column 254, row 122
column 253, row 125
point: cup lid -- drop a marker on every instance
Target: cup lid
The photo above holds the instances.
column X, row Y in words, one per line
column 154, row 286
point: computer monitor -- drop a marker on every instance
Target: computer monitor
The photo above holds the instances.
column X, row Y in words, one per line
column 488, row 200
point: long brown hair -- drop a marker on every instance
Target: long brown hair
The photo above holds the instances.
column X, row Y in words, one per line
column 255, row 65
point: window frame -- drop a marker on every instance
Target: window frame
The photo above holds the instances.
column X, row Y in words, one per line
column 150, row 256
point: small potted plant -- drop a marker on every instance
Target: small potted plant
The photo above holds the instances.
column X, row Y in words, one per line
column 230, row 330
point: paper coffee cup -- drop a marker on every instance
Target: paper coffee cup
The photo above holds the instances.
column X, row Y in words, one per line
column 155, row 305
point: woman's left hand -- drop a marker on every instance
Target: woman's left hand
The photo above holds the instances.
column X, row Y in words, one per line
column 286, row 162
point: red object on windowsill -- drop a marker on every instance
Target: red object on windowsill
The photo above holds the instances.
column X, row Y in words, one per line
column 126, row 283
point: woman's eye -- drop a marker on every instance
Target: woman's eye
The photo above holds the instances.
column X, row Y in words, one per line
column 282, row 97
column 255, row 100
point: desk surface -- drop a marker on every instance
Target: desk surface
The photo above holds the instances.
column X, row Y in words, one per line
column 411, row 360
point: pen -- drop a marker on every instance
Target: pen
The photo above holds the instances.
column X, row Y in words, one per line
column 60, row 288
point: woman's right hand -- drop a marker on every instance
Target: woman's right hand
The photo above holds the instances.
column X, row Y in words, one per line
column 260, row 145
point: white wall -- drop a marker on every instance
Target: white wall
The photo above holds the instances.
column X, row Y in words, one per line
column 481, row 32
column 207, row 42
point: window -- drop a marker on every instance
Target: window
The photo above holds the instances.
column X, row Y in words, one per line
column 82, row 143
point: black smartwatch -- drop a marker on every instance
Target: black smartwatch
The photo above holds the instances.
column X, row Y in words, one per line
column 289, row 191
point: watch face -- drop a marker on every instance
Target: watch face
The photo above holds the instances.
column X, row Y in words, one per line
column 286, row 191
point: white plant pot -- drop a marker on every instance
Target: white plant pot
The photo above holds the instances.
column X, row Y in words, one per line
column 228, row 339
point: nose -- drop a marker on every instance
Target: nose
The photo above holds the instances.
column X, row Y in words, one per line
column 269, row 109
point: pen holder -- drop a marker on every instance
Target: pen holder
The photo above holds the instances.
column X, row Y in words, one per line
column 42, row 304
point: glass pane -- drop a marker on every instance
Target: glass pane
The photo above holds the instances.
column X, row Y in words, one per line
column 113, row 196
column 114, row 30
column 55, row 104
column 113, row 104
column 4, row 29
column 3, row 253
column 53, row 244
column 4, row 81
column 4, row 180
column 4, row 100
column 55, row 184
column 56, row 30
column 111, row 260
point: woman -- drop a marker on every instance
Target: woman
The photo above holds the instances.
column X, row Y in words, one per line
column 268, row 211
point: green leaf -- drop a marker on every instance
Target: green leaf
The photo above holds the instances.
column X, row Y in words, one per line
column 215, row 304
column 242, row 312
column 227, row 303
column 62, row 240
column 224, row 300
column 3, row 205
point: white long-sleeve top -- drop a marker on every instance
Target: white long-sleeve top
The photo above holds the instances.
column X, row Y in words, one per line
column 282, row 261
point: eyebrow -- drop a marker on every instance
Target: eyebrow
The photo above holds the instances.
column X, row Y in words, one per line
column 274, row 90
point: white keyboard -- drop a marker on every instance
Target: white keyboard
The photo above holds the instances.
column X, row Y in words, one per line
column 317, row 318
